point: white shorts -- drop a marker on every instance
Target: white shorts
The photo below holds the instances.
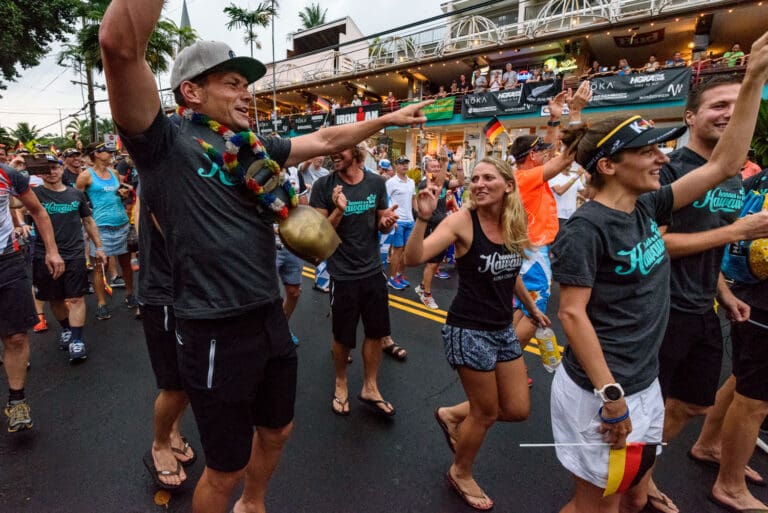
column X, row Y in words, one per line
column 575, row 420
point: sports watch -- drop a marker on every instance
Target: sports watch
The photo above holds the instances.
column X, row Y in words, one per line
column 610, row 392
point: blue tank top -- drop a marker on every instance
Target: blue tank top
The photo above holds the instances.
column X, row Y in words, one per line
column 107, row 205
column 487, row 274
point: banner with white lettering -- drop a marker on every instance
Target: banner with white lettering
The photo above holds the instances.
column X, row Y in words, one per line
column 354, row 114
column 309, row 123
column 498, row 103
column 539, row 93
column 663, row 85
column 279, row 125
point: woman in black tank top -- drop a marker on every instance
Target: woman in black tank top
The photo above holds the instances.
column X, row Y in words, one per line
column 490, row 237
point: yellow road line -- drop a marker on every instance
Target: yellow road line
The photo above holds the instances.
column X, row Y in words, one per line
column 414, row 311
column 417, row 305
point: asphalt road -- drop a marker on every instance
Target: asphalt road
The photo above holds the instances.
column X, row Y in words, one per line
column 93, row 424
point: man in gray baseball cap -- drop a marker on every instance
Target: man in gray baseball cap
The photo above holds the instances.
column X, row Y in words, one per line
column 236, row 360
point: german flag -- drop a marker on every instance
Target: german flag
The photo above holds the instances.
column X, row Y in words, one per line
column 493, row 129
column 626, row 467
column 323, row 104
column 105, row 281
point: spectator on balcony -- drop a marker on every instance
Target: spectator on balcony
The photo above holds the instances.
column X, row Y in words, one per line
column 441, row 92
column 676, row 60
column 335, row 105
column 735, row 57
column 495, row 84
column 454, row 88
column 365, row 101
column 480, row 82
column 463, row 85
column 509, row 78
column 391, row 101
column 624, row 67
column 652, row 64
column 356, row 102
column 547, row 74
column 535, row 76
column 594, row 69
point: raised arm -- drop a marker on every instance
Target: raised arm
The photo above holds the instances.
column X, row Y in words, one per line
column 336, row 138
column 737, row 135
column 125, row 30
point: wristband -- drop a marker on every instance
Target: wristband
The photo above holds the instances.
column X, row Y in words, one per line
column 553, row 123
column 100, row 249
column 615, row 420
column 575, row 123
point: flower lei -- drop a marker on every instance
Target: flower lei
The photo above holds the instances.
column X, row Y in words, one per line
column 233, row 142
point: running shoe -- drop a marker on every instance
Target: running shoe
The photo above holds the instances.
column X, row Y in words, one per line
column 442, row 274
column 64, row 339
column 42, row 325
column 134, row 264
column 77, row 350
column 18, row 416
column 401, row 278
column 131, row 301
column 395, row 284
column 429, row 301
column 117, row 282
column 102, row 313
column 419, row 290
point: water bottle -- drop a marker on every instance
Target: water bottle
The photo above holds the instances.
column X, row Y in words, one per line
column 548, row 348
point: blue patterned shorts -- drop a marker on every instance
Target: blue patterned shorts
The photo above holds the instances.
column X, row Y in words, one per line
column 480, row 350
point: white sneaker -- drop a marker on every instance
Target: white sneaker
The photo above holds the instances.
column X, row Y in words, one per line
column 419, row 290
column 428, row 300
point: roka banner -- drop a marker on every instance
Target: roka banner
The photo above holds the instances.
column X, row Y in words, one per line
column 309, row 123
column 354, row 114
column 498, row 103
column 663, row 85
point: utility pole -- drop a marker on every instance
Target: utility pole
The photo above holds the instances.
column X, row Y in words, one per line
column 91, row 97
column 61, row 126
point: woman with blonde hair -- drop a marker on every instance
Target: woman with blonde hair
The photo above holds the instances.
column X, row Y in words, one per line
column 490, row 234
column 613, row 269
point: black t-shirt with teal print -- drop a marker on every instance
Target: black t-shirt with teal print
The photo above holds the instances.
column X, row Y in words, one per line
column 221, row 248
column 693, row 282
column 755, row 295
column 622, row 258
column 66, row 209
column 358, row 254
column 155, row 277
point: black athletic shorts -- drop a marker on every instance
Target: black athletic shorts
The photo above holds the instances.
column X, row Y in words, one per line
column 239, row 372
column 750, row 356
column 17, row 308
column 366, row 298
column 72, row 283
column 160, row 333
column 690, row 357
column 437, row 259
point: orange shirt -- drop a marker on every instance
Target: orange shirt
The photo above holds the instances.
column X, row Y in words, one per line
column 749, row 170
column 539, row 204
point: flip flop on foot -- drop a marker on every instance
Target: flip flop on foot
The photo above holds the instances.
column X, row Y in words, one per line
column 481, row 502
column 749, row 472
column 157, row 475
column 660, row 504
column 343, row 406
column 188, row 455
column 734, row 509
column 395, row 351
column 380, row 406
column 448, row 438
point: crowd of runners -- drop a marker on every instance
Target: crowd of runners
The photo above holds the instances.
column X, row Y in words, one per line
column 644, row 245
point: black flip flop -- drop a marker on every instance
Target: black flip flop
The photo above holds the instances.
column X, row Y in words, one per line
column 183, row 452
column 715, row 465
column 397, row 352
column 374, row 405
column 342, row 412
column 149, row 462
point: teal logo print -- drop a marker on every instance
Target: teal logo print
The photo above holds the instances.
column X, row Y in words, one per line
column 645, row 256
column 360, row 207
column 718, row 200
column 216, row 171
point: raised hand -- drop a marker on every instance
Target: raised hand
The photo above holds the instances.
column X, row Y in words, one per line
column 388, row 218
column 339, row 199
column 426, row 201
column 556, row 105
column 578, row 100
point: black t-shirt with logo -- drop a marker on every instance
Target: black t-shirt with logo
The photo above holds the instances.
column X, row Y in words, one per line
column 358, row 254
column 155, row 278
column 220, row 245
column 66, row 209
column 622, row 258
column 694, row 277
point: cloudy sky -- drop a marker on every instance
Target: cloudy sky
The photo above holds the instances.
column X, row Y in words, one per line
column 45, row 92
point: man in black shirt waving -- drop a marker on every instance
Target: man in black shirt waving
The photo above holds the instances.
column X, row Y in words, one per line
column 236, row 359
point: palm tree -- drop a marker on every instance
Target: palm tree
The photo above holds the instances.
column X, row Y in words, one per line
column 250, row 19
column 5, row 137
column 760, row 137
column 312, row 16
column 25, row 133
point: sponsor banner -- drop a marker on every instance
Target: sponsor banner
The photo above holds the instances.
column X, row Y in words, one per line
column 539, row 93
column 660, row 86
column 441, row 109
column 354, row 114
column 633, row 40
column 309, row 123
column 498, row 103
column 279, row 125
